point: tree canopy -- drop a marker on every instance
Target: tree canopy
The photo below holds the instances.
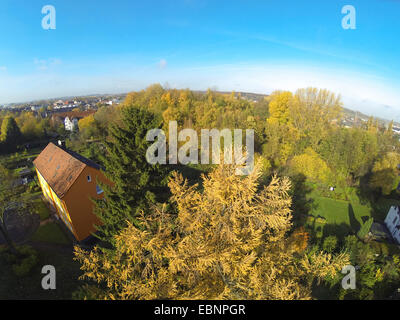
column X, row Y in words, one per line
column 228, row 241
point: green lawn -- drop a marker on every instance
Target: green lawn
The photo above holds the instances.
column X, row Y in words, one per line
column 338, row 211
column 41, row 208
column 342, row 217
column 50, row 232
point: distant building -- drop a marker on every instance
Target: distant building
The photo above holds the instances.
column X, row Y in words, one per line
column 396, row 130
column 70, row 118
column 71, row 124
column 392, row 222
column 68, row 182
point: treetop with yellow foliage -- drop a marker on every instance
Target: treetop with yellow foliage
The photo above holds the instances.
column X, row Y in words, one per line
column 229, row 241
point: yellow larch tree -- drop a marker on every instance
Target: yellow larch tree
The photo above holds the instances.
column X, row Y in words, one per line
column 229, row 240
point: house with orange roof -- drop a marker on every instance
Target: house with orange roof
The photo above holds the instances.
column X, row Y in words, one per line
column 69, row 181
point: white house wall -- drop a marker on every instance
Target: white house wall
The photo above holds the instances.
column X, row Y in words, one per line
column 392, row 222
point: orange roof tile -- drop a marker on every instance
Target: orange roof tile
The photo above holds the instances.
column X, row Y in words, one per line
column 74, row 114
column 60, row 168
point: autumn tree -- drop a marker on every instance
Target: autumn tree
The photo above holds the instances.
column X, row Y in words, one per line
column 281, row 135
column 228, row 241
column 385, row 173
column 31, row 127
column 313, row 112
column 312, row 166
column 279, row 107
column 87, row 127
column 104, row 118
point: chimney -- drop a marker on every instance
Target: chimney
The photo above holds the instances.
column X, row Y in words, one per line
column 61, row 144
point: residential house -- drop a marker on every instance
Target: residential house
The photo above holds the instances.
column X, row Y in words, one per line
column 71, row 124
column 69, row 181
column 70, row 118
column 392, row 222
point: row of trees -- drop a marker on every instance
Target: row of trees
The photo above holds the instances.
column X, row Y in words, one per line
column 23, row 127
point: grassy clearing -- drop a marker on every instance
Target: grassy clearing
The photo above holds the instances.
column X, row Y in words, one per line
column 50, row 232
column 41, row 209
column 342, row 217
column 338, row 211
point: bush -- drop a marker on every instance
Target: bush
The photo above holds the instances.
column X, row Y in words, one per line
column 393, row 249
column 321, row 220
column 6, row 256
column 362, row 233
column 23, row 262
column 32, row 187
column 330, row 244
column 380, row 248
column 88, row 292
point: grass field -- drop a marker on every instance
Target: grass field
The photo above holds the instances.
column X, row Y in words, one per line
column 50, row 232
column 41, row 208
column 342, row 217
column 339, row 211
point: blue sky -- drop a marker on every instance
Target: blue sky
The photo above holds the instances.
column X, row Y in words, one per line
column 256, row 46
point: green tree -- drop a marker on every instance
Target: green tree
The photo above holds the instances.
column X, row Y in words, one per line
column 10, row 133
column 135, row 181
column 362, row 233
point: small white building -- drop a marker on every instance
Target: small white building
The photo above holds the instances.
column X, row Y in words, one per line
column 70, row 124
column 392, row 222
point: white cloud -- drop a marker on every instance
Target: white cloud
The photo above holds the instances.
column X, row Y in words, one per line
column 3, row 68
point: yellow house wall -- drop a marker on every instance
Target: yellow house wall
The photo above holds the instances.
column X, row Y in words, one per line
column 79, row 205
column 59, row 204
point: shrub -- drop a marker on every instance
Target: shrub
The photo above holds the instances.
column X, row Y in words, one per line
column 330, row 244
column 362, row 233
column 24, row 262
column 320, row 220
column 7, row 256
column 88, row 292
column 380, row 248
column 393, row 249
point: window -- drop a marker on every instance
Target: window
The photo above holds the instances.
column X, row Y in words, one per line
column 89, row 178
column 394, row 221
column 99, row 190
